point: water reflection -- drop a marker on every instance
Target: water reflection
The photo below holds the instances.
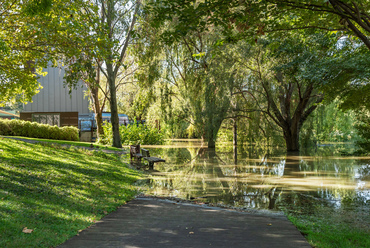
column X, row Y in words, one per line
column 256, row 178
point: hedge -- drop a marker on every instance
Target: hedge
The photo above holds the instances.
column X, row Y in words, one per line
column 36, row 130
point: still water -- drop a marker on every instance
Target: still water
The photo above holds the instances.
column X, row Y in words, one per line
column 260, row 178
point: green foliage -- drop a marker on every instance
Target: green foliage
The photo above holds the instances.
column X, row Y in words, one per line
column 363, row 128
column 180, row 130
column 31, row 34
column 133, row 134
column 5, row 128
column 195, row 86
column 279, row 83
column 57, row 191
column 250, row 19
column 37, row 6
column 329, row 124
column 36, row 130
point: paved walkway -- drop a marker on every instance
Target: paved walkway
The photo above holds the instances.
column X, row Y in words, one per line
column 148, row 222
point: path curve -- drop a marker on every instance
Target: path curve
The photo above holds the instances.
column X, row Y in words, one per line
column 155, row 223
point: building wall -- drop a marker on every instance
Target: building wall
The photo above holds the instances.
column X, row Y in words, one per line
column 53, row 97
column 66, row 118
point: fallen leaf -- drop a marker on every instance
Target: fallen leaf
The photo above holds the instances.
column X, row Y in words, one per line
column 191, row 232
column 269, row 224
column 26, row 230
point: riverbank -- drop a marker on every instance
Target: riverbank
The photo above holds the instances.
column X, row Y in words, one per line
column 50, row 193
column 328, row 226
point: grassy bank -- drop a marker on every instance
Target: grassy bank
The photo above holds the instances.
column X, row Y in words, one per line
column 55, row 191
column 66, row 142
column 323, row 233
column 324, row 226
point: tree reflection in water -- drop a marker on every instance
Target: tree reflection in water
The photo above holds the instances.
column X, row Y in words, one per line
column 254, row 178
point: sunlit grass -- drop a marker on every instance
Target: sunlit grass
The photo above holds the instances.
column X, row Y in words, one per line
column 69, row 143
column 329, row 233
column 346, row 226
column 57, row 191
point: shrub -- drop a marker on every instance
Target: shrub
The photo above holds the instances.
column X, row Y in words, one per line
column 133, row 134
column 70, row 133
column 36, row 130
column 4, row 127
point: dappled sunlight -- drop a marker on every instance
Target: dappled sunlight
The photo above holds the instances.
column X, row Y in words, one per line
column 212, row 229
column 152, row 206
column 44, row 187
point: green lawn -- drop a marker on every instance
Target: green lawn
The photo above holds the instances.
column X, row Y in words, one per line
column 325, row 227
column 57, row 191
column 326, row 233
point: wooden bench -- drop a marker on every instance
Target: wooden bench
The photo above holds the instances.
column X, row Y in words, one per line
column 151, row 160
column 135, row 153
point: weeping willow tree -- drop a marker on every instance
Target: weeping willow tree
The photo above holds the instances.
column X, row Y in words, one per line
column 198, row 79
column 190, row 80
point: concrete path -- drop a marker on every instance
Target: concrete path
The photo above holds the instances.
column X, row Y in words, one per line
column 148, row 222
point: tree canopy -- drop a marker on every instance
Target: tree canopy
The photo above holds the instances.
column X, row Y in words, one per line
column 30, row 36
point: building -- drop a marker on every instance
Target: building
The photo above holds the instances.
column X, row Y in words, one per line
column 54, row 105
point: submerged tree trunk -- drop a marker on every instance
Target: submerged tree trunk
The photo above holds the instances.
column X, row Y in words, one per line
column 291, row 121
column 211, row 133
column 211, row 143
column 235, row 137
column 291, row 140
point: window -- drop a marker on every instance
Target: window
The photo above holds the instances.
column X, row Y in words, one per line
column 50, row 119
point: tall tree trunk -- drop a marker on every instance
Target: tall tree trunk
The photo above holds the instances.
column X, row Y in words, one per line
column 113, row 107
column 98, row 111
column 111, row 76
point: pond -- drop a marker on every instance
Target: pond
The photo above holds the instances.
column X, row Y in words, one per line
column 258, row 178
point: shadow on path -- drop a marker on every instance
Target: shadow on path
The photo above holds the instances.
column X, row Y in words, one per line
column 149, row 222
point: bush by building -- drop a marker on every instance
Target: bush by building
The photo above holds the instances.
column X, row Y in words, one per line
column 36, row 130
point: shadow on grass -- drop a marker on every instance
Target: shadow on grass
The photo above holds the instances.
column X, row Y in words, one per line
column 56, row 192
